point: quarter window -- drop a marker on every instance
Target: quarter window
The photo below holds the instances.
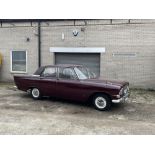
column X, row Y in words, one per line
column 18, row 61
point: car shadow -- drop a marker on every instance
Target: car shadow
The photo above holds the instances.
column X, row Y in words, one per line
column 67, row 102
column 54, row 99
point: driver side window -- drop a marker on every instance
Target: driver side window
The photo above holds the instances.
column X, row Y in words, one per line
column 67, row 73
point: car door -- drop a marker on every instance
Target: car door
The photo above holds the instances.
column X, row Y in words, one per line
column 47, row 82
column 68, row 85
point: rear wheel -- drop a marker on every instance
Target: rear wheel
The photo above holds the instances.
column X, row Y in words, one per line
column 101, row 102
column 35, row 93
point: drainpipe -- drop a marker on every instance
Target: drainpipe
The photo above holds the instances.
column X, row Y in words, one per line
column 39, row 45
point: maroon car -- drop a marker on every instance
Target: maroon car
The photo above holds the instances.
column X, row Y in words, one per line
column 73, row 82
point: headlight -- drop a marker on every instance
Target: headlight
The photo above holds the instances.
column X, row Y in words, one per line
column 124, row 90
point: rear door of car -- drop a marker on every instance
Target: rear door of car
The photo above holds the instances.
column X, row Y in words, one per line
column 48, row 80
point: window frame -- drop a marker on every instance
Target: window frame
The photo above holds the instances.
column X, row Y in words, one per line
column 11, row 52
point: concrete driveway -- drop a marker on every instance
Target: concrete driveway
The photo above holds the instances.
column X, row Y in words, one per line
column 20, row 114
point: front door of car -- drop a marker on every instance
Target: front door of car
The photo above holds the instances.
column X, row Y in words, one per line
column 48, row 82
column 68, row 85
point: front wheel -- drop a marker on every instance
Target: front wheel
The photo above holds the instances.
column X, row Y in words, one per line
column 35, row 93
column 101, row 102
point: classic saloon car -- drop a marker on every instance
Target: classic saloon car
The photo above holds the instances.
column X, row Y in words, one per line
column 73, row 82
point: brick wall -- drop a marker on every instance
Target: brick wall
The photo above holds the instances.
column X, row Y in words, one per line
column 14, row 38
column 131, row 41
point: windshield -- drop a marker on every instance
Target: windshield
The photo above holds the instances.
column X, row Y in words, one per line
column 84, row 73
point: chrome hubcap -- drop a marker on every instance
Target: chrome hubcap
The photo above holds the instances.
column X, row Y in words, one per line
column 100, row 102
column 35, row 92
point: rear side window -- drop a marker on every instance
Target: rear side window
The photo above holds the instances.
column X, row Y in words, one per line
column 49, row 72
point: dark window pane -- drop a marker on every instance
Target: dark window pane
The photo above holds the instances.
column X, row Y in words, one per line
column 19, row 55
column 18, row 61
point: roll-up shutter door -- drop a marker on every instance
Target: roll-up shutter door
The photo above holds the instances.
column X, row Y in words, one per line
column 90, row 60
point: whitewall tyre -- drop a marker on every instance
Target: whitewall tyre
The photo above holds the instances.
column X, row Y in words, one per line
column 101, row 102
column 35, row 93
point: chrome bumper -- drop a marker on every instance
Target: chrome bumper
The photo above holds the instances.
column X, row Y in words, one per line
column 121, row 100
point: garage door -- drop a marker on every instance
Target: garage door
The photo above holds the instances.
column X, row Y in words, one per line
column 90, row 60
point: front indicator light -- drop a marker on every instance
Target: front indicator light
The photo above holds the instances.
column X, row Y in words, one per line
column 118, row 96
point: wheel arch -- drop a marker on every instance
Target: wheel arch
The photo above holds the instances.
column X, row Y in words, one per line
column 95, row 93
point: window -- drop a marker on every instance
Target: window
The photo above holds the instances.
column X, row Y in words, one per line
column 67, row 73
column 49, row 72
column 18, row 61
column 82, row 74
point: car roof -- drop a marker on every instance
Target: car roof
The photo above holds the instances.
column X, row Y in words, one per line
column 62, row 65
column 40, row 69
